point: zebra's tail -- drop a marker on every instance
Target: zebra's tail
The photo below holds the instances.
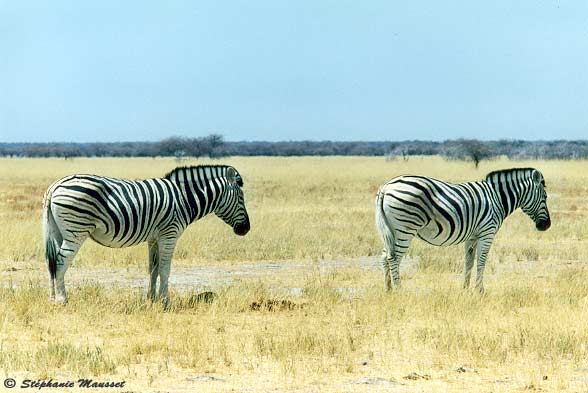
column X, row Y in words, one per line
column 383, row 225
column 51, row 235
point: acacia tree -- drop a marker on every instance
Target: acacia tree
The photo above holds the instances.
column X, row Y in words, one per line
column 476, row 151
column 212, row 146
column 468, row 149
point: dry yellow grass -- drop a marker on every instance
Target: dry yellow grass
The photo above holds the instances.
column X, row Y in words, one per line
column 527, row 333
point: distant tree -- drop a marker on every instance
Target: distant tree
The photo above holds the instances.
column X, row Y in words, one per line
column 179, row 155
column 169, row 146
column 214, row 145
column 476, row 151
column 398, row 150
column 467, row 149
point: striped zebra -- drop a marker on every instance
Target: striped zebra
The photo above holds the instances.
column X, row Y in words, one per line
column 444, row 214
column 121, row 213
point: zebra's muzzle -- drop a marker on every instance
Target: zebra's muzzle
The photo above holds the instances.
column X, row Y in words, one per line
column 543, row 225
column 241, row 228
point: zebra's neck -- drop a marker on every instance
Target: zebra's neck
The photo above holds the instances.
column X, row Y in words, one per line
column 511, row 188
column 201, row 188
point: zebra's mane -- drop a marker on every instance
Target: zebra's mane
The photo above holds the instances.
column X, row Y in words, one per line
column 496, row 174
column 176, row 170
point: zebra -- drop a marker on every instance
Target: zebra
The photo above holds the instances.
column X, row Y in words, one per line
column 444, row 214
column 120, row 213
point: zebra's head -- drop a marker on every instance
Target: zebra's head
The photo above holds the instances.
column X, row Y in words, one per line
column 534, row 201
column 231, row 207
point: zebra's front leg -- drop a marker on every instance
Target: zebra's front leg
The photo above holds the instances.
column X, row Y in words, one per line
column 483, row 249
column 470, row 253
column 166, row 250
column 153, row 268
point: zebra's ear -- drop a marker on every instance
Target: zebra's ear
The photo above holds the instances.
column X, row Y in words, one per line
column 232, row 175
column 537, row 177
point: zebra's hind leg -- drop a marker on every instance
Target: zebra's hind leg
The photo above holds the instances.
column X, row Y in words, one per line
column 67, row 252
column 153, row 268
column 470, row 253
column 395, row 269
column 401, row 245
column 386, row 266
column 51, row 289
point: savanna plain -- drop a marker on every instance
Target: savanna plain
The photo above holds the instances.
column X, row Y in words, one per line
column 311, row 313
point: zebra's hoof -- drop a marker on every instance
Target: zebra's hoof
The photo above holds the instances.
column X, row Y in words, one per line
column 60, row 300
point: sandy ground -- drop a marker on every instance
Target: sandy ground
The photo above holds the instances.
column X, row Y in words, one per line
column 193, row 278
column 283, row 275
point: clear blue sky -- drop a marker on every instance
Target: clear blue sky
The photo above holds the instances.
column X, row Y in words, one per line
column 291, row 70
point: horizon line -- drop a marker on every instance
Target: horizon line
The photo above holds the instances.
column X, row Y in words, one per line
column 310, row 141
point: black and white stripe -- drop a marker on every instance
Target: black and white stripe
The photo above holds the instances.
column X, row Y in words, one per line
column 121, row 213
column 444, row 214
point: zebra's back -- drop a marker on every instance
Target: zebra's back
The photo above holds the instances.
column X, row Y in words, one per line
column 114, row 212
column 438, row 212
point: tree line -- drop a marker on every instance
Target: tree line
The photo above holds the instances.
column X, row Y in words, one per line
column 215, row 146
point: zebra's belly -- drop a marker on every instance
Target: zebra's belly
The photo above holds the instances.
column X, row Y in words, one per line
column 436, row 234
column 432, row 233
column 106, row 239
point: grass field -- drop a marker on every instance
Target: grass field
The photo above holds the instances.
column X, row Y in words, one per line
column 527, row 333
